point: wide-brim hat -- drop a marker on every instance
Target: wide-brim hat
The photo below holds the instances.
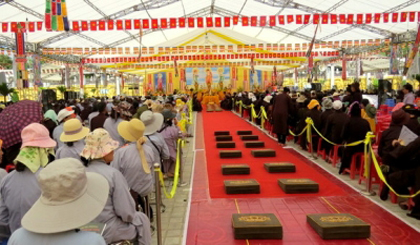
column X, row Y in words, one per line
column 131, row 131
column 37, row 135
column 168, row 114
column 400, row 117
column 301, row 99
column 336, row 94
column 152, row 122
column 52, row 216
column 73, row 130
column 64, row 113
column 99, row 144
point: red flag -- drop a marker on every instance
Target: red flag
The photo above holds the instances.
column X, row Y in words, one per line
column 218, row 21
column 386, row 17
column 350, row 19
column 253, row 20
column 306, row 19
column 299, row 19
column 136, row 24
column 403, row 17
column 412, row 16
column 272, row 20
column 368, row 18
column 377, row 18
column 93, row 25
column 209, row 21
column 76, row 26
column 227, row 21
column 235, row 19
column 145, row 24
column 191, row 23
column 290, row 18
column 155, row 24
column 200, row 22
column 263, row 20
column 119, row 25
column 281, row 19
column 181, row 22
column 39, row 26
column 128, row 24
column 4, row 27
column 316, row 19
column 13, row 27
column 102, row 25
column 31, row 26
column 245, row 21
column 343, row 19
column 172, row 22
column 395, row 17
column 110, row 25
column 359, row 19
column 325, row 18
column 85, row 26
column 164, row 23
column 333, row 19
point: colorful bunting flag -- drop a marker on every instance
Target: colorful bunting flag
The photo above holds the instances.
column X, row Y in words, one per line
column 181, row 22
column 164, row 23
column 235, row 20
column 209, row 21
column 200, row 22
column 272, row 20
column 245, row 21
column 110, row 25
column 299, row 19
column 227, row 21
column 172, row 22
column 281, row 19
column 306, row 19
column 263, row 20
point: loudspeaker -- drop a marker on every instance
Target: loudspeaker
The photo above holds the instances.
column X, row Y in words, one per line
column 384, row 84
column 48, row 97
column 69, row 95
column 316, row 86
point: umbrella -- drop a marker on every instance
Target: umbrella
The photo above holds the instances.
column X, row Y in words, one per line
column 15, row 117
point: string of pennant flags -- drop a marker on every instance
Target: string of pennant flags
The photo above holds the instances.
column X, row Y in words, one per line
column 215, row 48
column 210, row 22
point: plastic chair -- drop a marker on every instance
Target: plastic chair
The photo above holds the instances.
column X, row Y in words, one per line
column 373, row 176
column 320, row 151
column 353, row 165
column 333, row 156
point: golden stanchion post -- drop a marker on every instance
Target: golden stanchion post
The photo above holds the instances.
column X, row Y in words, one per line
column 158, row 206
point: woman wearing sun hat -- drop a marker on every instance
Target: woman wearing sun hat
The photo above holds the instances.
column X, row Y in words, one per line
column 74, row 200
column 63, row 116
column 72, row 137
column 119, row 114
column 120, row 216
column 171, row 133
column 19, row 189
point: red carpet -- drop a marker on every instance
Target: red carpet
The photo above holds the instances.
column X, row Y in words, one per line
column 217, row 121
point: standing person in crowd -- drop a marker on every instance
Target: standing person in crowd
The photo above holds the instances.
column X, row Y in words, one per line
column 356, row 95
column 68, row 194
column 171, row 133
column 354, row 130
column 72, row 137
column 119, row 114
column 93, row 114
column 50, row 121
column 120, row 216
column 63, row 116
column 369, row 114
column 413, row 124
column 99, row 120
column 315, row 114
column 19, row 190
column 408, row 94
column 109, row 105
column 327, row 105
column 335, row 124
column 282, row 108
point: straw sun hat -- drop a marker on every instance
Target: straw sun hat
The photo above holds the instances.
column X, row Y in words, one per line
column 73, row 130
column 152, row 122
column 132, row 130
column 71, row 198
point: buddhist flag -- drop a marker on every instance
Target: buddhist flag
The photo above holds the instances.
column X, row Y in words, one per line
column 253, row 20
column 350, row 19
column 85, row 26
column 31, row 26
column 377, row 18
column 316, row 19
column 359, row 19
column 306, row 19
column 48, row 15
column 137, row 24
column 181, row 22
column 172, row 22
column 343, row 19
column 245, row 21
column 403, row 17
column 200, row 22
column 218, row 22
column 76, row 26
column 386, row 17
column 155, row 24
column 145, row 24
column 272, row 20
column 290, row 18
column 209, row 21
column 93, row 25
column 368, row 18
column 333, row 19
column 164, row 23
column 325, row 18
column 4, row 27
column 191, row 22
column 227, row 21
column 119, row 25
column 281, row 19
column 263, row 20
column 235, row 19
column 110, row 25
column 412, row 16
column 102, row 25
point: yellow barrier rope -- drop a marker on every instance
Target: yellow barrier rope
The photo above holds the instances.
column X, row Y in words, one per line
column 171, row 194
column 263, row 117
